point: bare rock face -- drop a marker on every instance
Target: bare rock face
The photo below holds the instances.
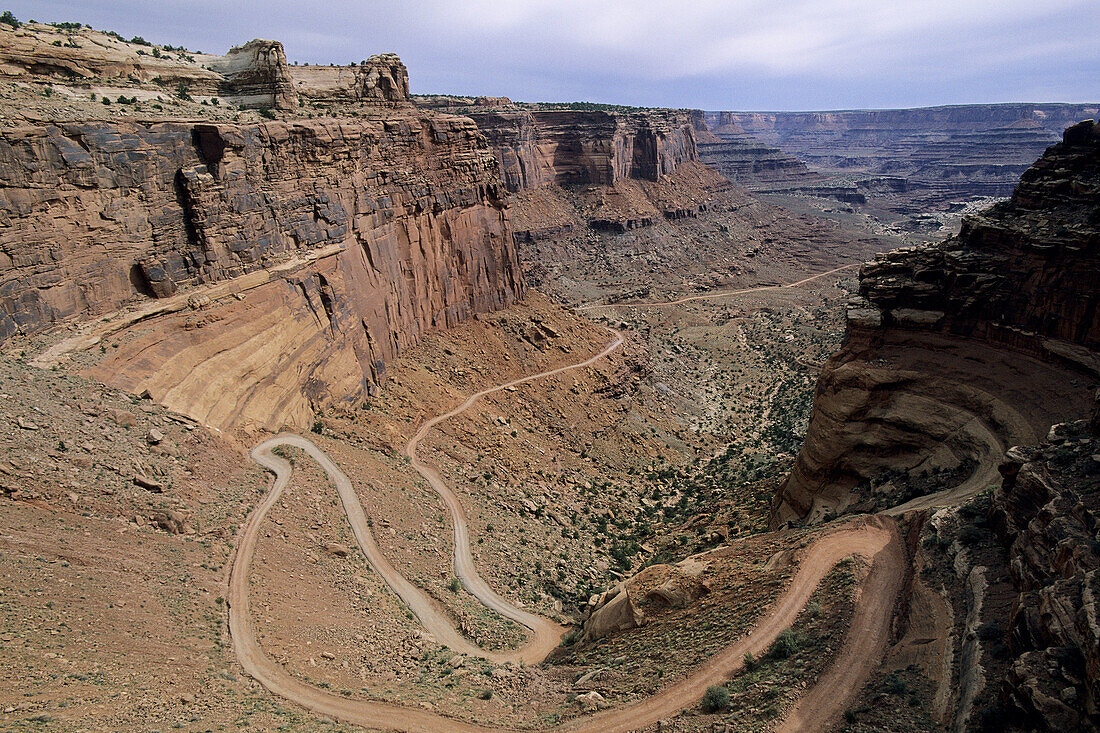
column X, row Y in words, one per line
column 566, row 147
column 1047, row 513
column 256, row 75
column 352, row 238
column 380, row 80
column 955, row 351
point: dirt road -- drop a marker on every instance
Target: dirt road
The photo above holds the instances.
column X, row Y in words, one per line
column 711, row 296
column 875, row 539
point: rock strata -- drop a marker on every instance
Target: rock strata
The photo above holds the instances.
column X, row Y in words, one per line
column 939, row 154
column 567, row 147
column 956, row 350
column 388, row 228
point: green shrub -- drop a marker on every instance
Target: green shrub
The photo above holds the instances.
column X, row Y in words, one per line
column 8, row 19
column 716, row 698
column 749, row 661
column 455, row 585
column 785, row 645
column 318, row 427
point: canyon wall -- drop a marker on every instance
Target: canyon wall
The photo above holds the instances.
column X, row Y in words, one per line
column 363, row 234
column 565, row 147
column 943, row 153
column 957, row 350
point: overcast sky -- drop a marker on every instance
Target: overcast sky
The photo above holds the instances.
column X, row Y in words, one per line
column 710, row 54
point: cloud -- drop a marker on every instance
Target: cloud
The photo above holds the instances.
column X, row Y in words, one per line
column 790, row 54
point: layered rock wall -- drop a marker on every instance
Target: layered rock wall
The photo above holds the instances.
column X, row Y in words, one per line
column 957, row 350
column 566, row 147
column 943, row 153
column 401, row 221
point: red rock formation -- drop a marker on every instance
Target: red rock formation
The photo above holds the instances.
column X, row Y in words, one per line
column 957, row 350
column 567, row 147
column 406, row 213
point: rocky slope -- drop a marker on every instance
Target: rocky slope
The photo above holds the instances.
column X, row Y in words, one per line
column 943, row 154
column 957, row 350
column 390, row 227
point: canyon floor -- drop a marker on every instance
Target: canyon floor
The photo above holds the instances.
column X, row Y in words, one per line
column 667, row 447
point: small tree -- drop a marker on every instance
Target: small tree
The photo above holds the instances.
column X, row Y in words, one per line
column 8, row 19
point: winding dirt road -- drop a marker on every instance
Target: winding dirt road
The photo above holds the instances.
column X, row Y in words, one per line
column 874, row 538
column 711, row 296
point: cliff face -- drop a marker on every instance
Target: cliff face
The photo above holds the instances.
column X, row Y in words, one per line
column 943, row 153
column 256, row 75
column 565, row 147
column 381, row 79
column 956, row 351
column 386, row 227
column 1046, row 513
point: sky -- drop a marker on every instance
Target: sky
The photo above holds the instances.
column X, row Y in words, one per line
column 708, row 54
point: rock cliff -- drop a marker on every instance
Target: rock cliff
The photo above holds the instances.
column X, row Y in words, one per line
column 957, row 350
column 1047, row 513
column 567, row 147
column 381, row 80
column 385, row 227
column 256, row 75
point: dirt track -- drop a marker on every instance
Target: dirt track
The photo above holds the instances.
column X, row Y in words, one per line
column 711, row 296
column 874, row 538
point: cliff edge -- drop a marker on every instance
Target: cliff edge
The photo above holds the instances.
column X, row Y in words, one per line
column 958, row 350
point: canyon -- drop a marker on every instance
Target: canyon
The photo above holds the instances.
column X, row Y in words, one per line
column 618, row 437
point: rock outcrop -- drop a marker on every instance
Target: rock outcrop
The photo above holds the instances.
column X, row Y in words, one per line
column 380, row 80
column 384, row 229
column 957, row 350
column 256, row 75
column 567, row 147
column 1047, row 514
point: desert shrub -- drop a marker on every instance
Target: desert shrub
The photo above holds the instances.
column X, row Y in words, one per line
column 895, row 685
column 785, row 645
column 8, row 19
column 716, row 698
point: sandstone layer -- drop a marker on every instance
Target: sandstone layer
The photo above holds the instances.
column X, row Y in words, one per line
column 958, row 350
column 396, row 226
column 255, row 74
column 381, row 79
